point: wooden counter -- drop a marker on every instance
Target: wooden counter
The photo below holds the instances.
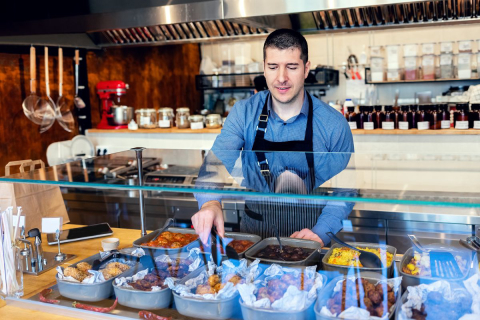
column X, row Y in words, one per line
column 358, row 131
column 34, row 284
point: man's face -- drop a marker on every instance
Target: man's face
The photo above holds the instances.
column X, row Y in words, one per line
column 285, row 73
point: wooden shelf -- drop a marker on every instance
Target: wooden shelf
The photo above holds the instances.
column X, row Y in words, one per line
column 156, row 130
column 422, row 81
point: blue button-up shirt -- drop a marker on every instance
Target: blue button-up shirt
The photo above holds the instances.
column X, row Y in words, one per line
column 331, row 133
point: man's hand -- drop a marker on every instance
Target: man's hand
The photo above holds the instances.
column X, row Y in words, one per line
column 209, row 215
column 307, row 234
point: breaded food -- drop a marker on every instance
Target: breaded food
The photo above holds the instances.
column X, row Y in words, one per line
column 121, row 266
column 76, row 274
column 84, row 266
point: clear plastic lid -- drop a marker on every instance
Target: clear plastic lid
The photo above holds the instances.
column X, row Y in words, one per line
column 145, row 111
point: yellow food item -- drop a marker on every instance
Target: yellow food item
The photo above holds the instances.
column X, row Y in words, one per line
column 84, row 266
column 348, row 257
column 76, row 274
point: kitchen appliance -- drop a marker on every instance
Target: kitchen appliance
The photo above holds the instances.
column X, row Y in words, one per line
column 108, row 91
column 323, row 76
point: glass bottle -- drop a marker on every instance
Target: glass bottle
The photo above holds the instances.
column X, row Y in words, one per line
column 461, row 116
column 474, row 116
column 378, row 117
column 444, row 116
column 388, row 122
column 435, row 118
column 403, row 123
column 412, row 116
column 422, row 118
column 368, row 118
column 351, row 117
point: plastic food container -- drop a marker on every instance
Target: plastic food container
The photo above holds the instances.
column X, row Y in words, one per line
column 446, row 66
column 411, row 280
column 165, row 118
column 388, row 271
column 376, row 69
column 410, row 50
column 394, row 74
column 251, row 313
column 393, row 56
column 238, row 236
column 446, row 47
column 146, row 118
column 411, row 68
column 428, row 48
column 213, row 121
column 428, row 66
column 154, row 234
column 376, row 51
column 326, row 293
column 464, row 65
column 465, row 46
column 181, row 119
column 312, row 259
column 93, row 292
column 196, row 121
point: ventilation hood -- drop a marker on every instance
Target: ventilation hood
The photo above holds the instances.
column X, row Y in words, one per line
column 107, row 23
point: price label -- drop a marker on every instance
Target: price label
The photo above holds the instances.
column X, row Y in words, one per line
column 446, row 59
column 462, row 125
column 388, row 125
column 144, row 121
column 445, row 124
column 428, row 60
column 368, row 126
column 196, row 125
column 423, row 125
column 465, row 45
column 403, row 125
column 164, row 123
column 375, row 51
column 446, row 47
column 353, row 125
column 428, row 48
column 476, row 124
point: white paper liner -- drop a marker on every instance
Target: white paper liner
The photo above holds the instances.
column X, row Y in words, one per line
column 418, row 295
column 360, row 313
column 97, row 275
column 248, row 273
column 292, row 300
column 123, row 282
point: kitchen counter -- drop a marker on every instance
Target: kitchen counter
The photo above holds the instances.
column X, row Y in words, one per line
column 34, row 284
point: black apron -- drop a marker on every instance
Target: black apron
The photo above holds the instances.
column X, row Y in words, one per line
column 260, row 216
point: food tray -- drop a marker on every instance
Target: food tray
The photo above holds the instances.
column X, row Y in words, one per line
column 388, row 271
column 326, row 293
column 237, row 236
column 93, row 292
column 251, row 313
column 411, row 280
column 312, row 259
column 154, row 234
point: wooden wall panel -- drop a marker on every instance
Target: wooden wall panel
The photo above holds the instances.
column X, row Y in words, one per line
column 158, row 77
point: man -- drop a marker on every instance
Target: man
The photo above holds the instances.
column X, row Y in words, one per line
column 284, row 118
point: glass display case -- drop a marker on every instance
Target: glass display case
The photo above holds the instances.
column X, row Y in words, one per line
column 415, row 216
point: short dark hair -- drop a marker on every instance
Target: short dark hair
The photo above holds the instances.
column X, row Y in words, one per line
column 285, row 39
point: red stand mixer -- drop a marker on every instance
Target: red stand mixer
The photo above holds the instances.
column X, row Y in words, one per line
column 107, row 91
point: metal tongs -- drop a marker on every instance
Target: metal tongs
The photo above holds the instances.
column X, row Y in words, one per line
column 230, row 252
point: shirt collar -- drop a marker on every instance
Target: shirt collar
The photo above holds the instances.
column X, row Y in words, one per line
column 303, row 111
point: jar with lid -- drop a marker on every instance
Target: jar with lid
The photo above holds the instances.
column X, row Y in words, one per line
column 422, row 118
column 181, row 118
column 351, row 117
column 444, row 116
column 474, row 116
column 388, row 122
column 213, row 121
column 378, row 117
column 146, row 118
column 403, row 123
column 196, row 121
column 165, row 118
column 461, row 116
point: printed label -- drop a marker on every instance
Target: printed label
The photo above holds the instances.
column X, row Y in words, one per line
column 388, row 125
column 446, row 47
column 476, row 124
column 375, row 51
column 465, row 45
column 410, row 50
column 164, row 123
column 410, row 63
column 445, row 124
column 428, row 48
column 403, row 125
column 464, row 58
column 145, row 121
column 428, row 60
column 446, row 59
column 461, row 125
column 368, row 125
column 423, row 125
column 353, row 125
column 196, row 125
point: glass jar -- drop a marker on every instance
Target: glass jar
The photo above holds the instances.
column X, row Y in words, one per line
column 461, row 116
column 378, row 117
column 196, row 121
column 389, row 119
column 422, row 118
column 146, row 118
column 165, row 117
column 13, row 287
column 182, row 119
column 351, row 117
column 444, row 116
column 213, row 121
column 474, row 117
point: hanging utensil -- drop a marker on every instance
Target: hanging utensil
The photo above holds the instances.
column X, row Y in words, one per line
column 367, row 259
column 79, row 103
column 47, row 112
column 32, row 101
column 63, row 113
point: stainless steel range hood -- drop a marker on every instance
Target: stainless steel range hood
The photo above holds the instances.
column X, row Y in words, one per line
column 158, row 22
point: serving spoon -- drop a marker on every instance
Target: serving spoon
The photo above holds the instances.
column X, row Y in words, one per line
column 368, row 259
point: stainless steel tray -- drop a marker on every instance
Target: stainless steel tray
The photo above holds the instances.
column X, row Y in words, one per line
column 152, row 235
column 237, row 236
column 388, row 271
column 251, row 313
column 92, row 292
column 411, row 280
column 312, row 259
column 326, row 293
